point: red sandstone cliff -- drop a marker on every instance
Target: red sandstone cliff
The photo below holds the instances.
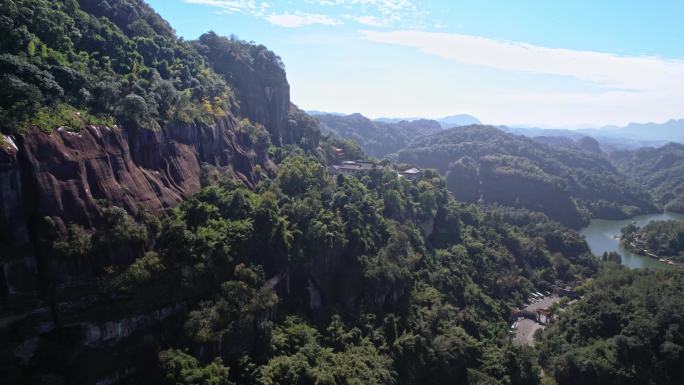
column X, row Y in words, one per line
column 63, row 175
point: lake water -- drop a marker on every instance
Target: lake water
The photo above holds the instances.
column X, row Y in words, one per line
column 601, row 237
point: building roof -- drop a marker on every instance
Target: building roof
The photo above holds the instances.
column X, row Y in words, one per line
column 411, row 171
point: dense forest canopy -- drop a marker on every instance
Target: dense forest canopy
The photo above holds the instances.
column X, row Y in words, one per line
column 390, row 298
column 626, row 330
column 64, row 64
column 71, row 63
column 660, row 170
column 482, row 162
column 662, row 238
column 293, row 276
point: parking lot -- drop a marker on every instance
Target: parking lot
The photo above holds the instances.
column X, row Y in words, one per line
column 524, row 331
column 525, row 328
column 543, row 303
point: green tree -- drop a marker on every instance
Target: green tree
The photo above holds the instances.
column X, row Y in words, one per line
column 237, row 309
column 78, row 243
column 300, row 175
column 393, row 204
column 180, row 368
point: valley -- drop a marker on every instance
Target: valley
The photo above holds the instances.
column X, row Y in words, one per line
column 169, row 215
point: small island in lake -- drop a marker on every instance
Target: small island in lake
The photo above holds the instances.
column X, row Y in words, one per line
column 662, row 240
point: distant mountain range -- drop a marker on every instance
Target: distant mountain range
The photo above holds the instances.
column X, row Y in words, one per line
column 611, row 138
column 609, row 143
column 670, row 131
column 607, row 172
column 383, row 137
column 318, row 113
column 633, row 135
column 445, row 122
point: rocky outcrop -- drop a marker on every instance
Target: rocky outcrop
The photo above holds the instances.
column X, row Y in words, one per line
column 17, row 277
column 272, row 114
column 257, row 77
column 67, row 172
column 45, row 303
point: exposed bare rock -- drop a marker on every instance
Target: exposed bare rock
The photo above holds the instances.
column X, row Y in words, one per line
column 64, row 175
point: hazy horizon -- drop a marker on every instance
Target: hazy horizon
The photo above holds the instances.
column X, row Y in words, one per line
column 517, row 125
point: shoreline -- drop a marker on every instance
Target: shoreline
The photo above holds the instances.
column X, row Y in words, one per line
column 647, row 253
column 603, row 235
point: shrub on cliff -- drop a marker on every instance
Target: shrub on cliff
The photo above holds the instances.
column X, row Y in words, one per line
column 77, row 244
column 256, row 134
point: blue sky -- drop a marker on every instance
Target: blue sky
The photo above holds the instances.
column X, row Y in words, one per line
column 547, row 63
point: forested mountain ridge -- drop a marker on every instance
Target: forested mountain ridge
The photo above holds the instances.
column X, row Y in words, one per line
column 672, row 130
column 265, row 270
column 60, row 58
column 176, row 224
column 376, row 138
column 376, row 279
column 106, row 114
column 660, row 170
column 102, row 101
column 482, row 162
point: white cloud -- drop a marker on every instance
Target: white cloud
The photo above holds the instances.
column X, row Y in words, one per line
column 389, row 12
column 373, row 13
column 500, row 82
column 614, row 72
column 250, row 7
column 263, row 10
column 301, row 19
column 371, row 21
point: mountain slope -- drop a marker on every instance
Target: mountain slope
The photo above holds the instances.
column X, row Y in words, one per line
column 107, row 119
column 660, row 170
column 568, row 185
column 376, row 138
column 151, row 239
column 181, row 227
column 64, row 65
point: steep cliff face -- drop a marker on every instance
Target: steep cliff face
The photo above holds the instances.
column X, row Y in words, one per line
column 66, row 172
column 18, row 267
column 65, row 175
column 258, row 78
column 55, row 315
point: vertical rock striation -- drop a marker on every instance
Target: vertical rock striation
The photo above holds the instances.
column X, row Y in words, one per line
column 63, row 175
